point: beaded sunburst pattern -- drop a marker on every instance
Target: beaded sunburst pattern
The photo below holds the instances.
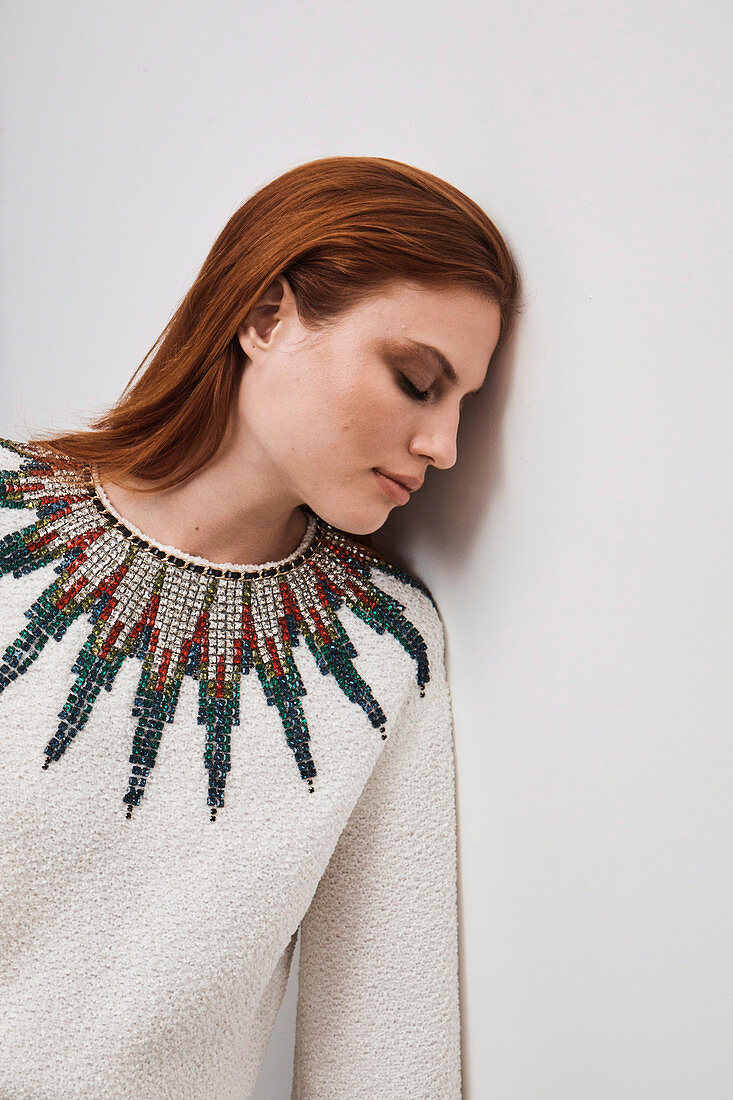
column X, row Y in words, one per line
column 184, row 619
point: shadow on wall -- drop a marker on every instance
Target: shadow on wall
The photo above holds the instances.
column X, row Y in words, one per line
column 449, row 510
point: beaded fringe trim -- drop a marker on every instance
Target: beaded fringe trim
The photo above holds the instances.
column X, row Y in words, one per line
column 184, row 619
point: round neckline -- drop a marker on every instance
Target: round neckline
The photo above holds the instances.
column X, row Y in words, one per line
column 198, row 564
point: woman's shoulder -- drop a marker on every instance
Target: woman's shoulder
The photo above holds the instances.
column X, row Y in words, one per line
column 406, row 608
column 16, row 456
column 28, row 472
column 15, row 453
column 413, row 603
column 14, row 449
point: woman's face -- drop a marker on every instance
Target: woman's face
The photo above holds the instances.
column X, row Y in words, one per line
column 329, row 415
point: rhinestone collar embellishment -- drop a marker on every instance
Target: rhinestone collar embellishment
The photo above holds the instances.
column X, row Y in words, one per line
column 182, row 617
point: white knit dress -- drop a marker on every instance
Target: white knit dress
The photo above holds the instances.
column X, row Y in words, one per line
column 198, row 762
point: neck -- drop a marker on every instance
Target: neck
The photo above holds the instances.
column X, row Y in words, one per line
column 234, row 509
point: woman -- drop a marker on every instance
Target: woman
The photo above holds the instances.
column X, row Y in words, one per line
column 215, row 522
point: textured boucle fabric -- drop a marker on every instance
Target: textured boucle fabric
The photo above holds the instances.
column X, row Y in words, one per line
column 148, row 957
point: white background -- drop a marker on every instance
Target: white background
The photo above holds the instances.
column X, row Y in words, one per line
column 580, row 550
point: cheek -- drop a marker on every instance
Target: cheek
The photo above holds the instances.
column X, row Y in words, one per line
column 342, row 420
column 345, row 424
column 368, row 414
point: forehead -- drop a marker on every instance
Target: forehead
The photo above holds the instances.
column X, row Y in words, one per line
column 459, row 322
column 406, row 299
column 436, row 315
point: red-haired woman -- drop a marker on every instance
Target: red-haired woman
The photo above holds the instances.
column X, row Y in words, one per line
column 165, row 840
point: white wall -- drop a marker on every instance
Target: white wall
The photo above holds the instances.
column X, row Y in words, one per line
column 581, row 548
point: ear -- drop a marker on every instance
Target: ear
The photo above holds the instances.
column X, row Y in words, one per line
column 276, row 304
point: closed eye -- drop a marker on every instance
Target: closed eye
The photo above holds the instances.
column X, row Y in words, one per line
column 412, row 390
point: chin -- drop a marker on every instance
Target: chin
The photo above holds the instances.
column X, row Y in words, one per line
column 354, row 520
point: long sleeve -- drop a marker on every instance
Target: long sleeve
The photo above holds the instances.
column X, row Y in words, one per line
column 378, row 994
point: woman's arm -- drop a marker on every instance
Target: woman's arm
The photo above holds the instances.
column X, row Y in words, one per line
column 378, row 998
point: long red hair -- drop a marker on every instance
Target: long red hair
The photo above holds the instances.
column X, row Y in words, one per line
column 338, row 229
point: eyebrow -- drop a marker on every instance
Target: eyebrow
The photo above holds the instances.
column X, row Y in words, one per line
column 428, row 354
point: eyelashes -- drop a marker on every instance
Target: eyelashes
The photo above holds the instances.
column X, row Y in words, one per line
column 412, row 390
column 409, row 387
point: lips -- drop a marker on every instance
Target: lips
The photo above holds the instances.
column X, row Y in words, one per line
column 393, row 488
column 410, row 483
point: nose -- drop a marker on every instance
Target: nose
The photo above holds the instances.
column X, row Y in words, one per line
column 436, row 439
